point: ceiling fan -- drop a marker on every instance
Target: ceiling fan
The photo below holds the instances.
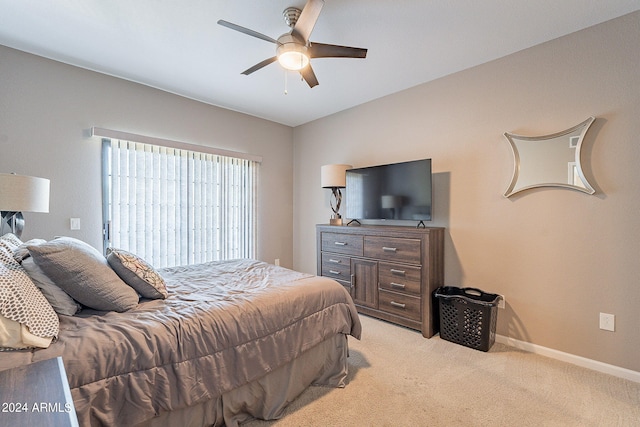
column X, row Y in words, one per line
column 294, row 49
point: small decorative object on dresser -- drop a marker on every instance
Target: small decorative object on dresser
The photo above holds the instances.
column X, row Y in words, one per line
column 390, row 272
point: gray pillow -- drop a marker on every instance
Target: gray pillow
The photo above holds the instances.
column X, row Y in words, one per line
column 83, row 273
column 21, row 252
column 137, row 273
column 61, row 302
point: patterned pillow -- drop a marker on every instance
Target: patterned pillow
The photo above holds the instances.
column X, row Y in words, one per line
column 137, row 273
column 10, row 242
column 20, row 300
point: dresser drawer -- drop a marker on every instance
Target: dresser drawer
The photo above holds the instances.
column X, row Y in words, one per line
column 393, row 249
column 336, row 266
column 342, row 243
column 399, row 277
column 399, row 304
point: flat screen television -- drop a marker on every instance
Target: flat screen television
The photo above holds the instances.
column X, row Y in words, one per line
column 398, row 191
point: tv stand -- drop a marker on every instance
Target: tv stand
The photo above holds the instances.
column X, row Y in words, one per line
column 390, row 272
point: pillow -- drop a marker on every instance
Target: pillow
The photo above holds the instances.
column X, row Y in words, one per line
column 21, row 302
column 137, row 273
column 16, row 336
column 83, row 273
column 61, row 302
column 10, row 242
column 21, row 252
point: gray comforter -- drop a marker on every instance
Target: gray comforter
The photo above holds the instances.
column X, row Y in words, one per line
column 223, row 325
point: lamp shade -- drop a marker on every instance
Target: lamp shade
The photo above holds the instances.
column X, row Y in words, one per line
column 19, row 193
column 333, row 176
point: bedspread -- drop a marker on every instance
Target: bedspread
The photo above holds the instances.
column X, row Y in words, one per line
column 223, row 325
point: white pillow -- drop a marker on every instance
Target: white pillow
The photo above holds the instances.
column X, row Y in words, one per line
column 14, row 335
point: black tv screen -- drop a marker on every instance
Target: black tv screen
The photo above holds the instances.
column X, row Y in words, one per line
column 398, row 191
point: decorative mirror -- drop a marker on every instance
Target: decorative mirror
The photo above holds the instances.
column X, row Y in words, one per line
column 549, row 160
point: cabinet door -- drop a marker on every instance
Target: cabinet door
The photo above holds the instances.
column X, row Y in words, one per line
column 364, row 282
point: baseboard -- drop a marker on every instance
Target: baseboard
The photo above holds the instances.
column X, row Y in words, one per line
column 616, row 371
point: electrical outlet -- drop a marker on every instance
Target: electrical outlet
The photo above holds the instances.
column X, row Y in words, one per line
column 607, row 322
column 502, row 302
column 277, row 261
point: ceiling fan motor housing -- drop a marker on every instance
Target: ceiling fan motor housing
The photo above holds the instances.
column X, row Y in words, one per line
column 292, row 53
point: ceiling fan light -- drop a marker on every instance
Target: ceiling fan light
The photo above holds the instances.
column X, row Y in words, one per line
column 293, row 56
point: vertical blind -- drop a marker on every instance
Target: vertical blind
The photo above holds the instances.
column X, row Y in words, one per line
column 355, row 207
column 173, row 206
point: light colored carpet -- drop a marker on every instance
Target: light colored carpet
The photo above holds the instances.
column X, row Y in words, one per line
column 398, row 378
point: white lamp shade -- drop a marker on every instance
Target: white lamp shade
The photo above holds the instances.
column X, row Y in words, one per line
column 19, row 193
column 333, row 176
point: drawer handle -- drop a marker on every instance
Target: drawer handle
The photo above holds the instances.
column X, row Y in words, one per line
column 398, row 304
column 397, row 285
column 398, row 272
column 335, row 261
column 334, row 272
column 340, row 243
column 388, row 249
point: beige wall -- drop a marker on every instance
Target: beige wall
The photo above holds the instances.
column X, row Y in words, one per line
column 46, row 108
column 559, row 256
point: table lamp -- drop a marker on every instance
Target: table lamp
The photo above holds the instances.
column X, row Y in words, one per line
column 392, row 203
column 19, row 193
column 334, row 177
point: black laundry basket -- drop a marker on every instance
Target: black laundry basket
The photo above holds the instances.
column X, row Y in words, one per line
column 468, row 316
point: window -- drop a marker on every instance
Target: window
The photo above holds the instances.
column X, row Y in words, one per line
column 355, row 207
column 174, row 206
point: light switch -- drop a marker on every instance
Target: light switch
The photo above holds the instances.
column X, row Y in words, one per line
column 75, row 224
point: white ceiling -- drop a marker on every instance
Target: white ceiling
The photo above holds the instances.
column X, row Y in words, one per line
column 176, row 45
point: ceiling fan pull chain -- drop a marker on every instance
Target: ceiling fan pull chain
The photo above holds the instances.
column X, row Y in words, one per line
column 286, row 92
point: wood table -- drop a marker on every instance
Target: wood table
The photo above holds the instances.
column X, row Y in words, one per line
column 37, row 394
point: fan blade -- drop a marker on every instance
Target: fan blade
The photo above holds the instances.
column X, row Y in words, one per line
column 309, row 76
column 246, row 31
column 307, row 20
column 259, row 65
column 320, row 50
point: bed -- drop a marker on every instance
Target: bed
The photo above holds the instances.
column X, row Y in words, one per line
column 233, row 340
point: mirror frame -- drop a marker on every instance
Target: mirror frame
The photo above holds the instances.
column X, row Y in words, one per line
column 588, row 188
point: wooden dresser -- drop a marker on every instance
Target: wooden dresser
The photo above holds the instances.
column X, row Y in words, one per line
column 390, row 272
